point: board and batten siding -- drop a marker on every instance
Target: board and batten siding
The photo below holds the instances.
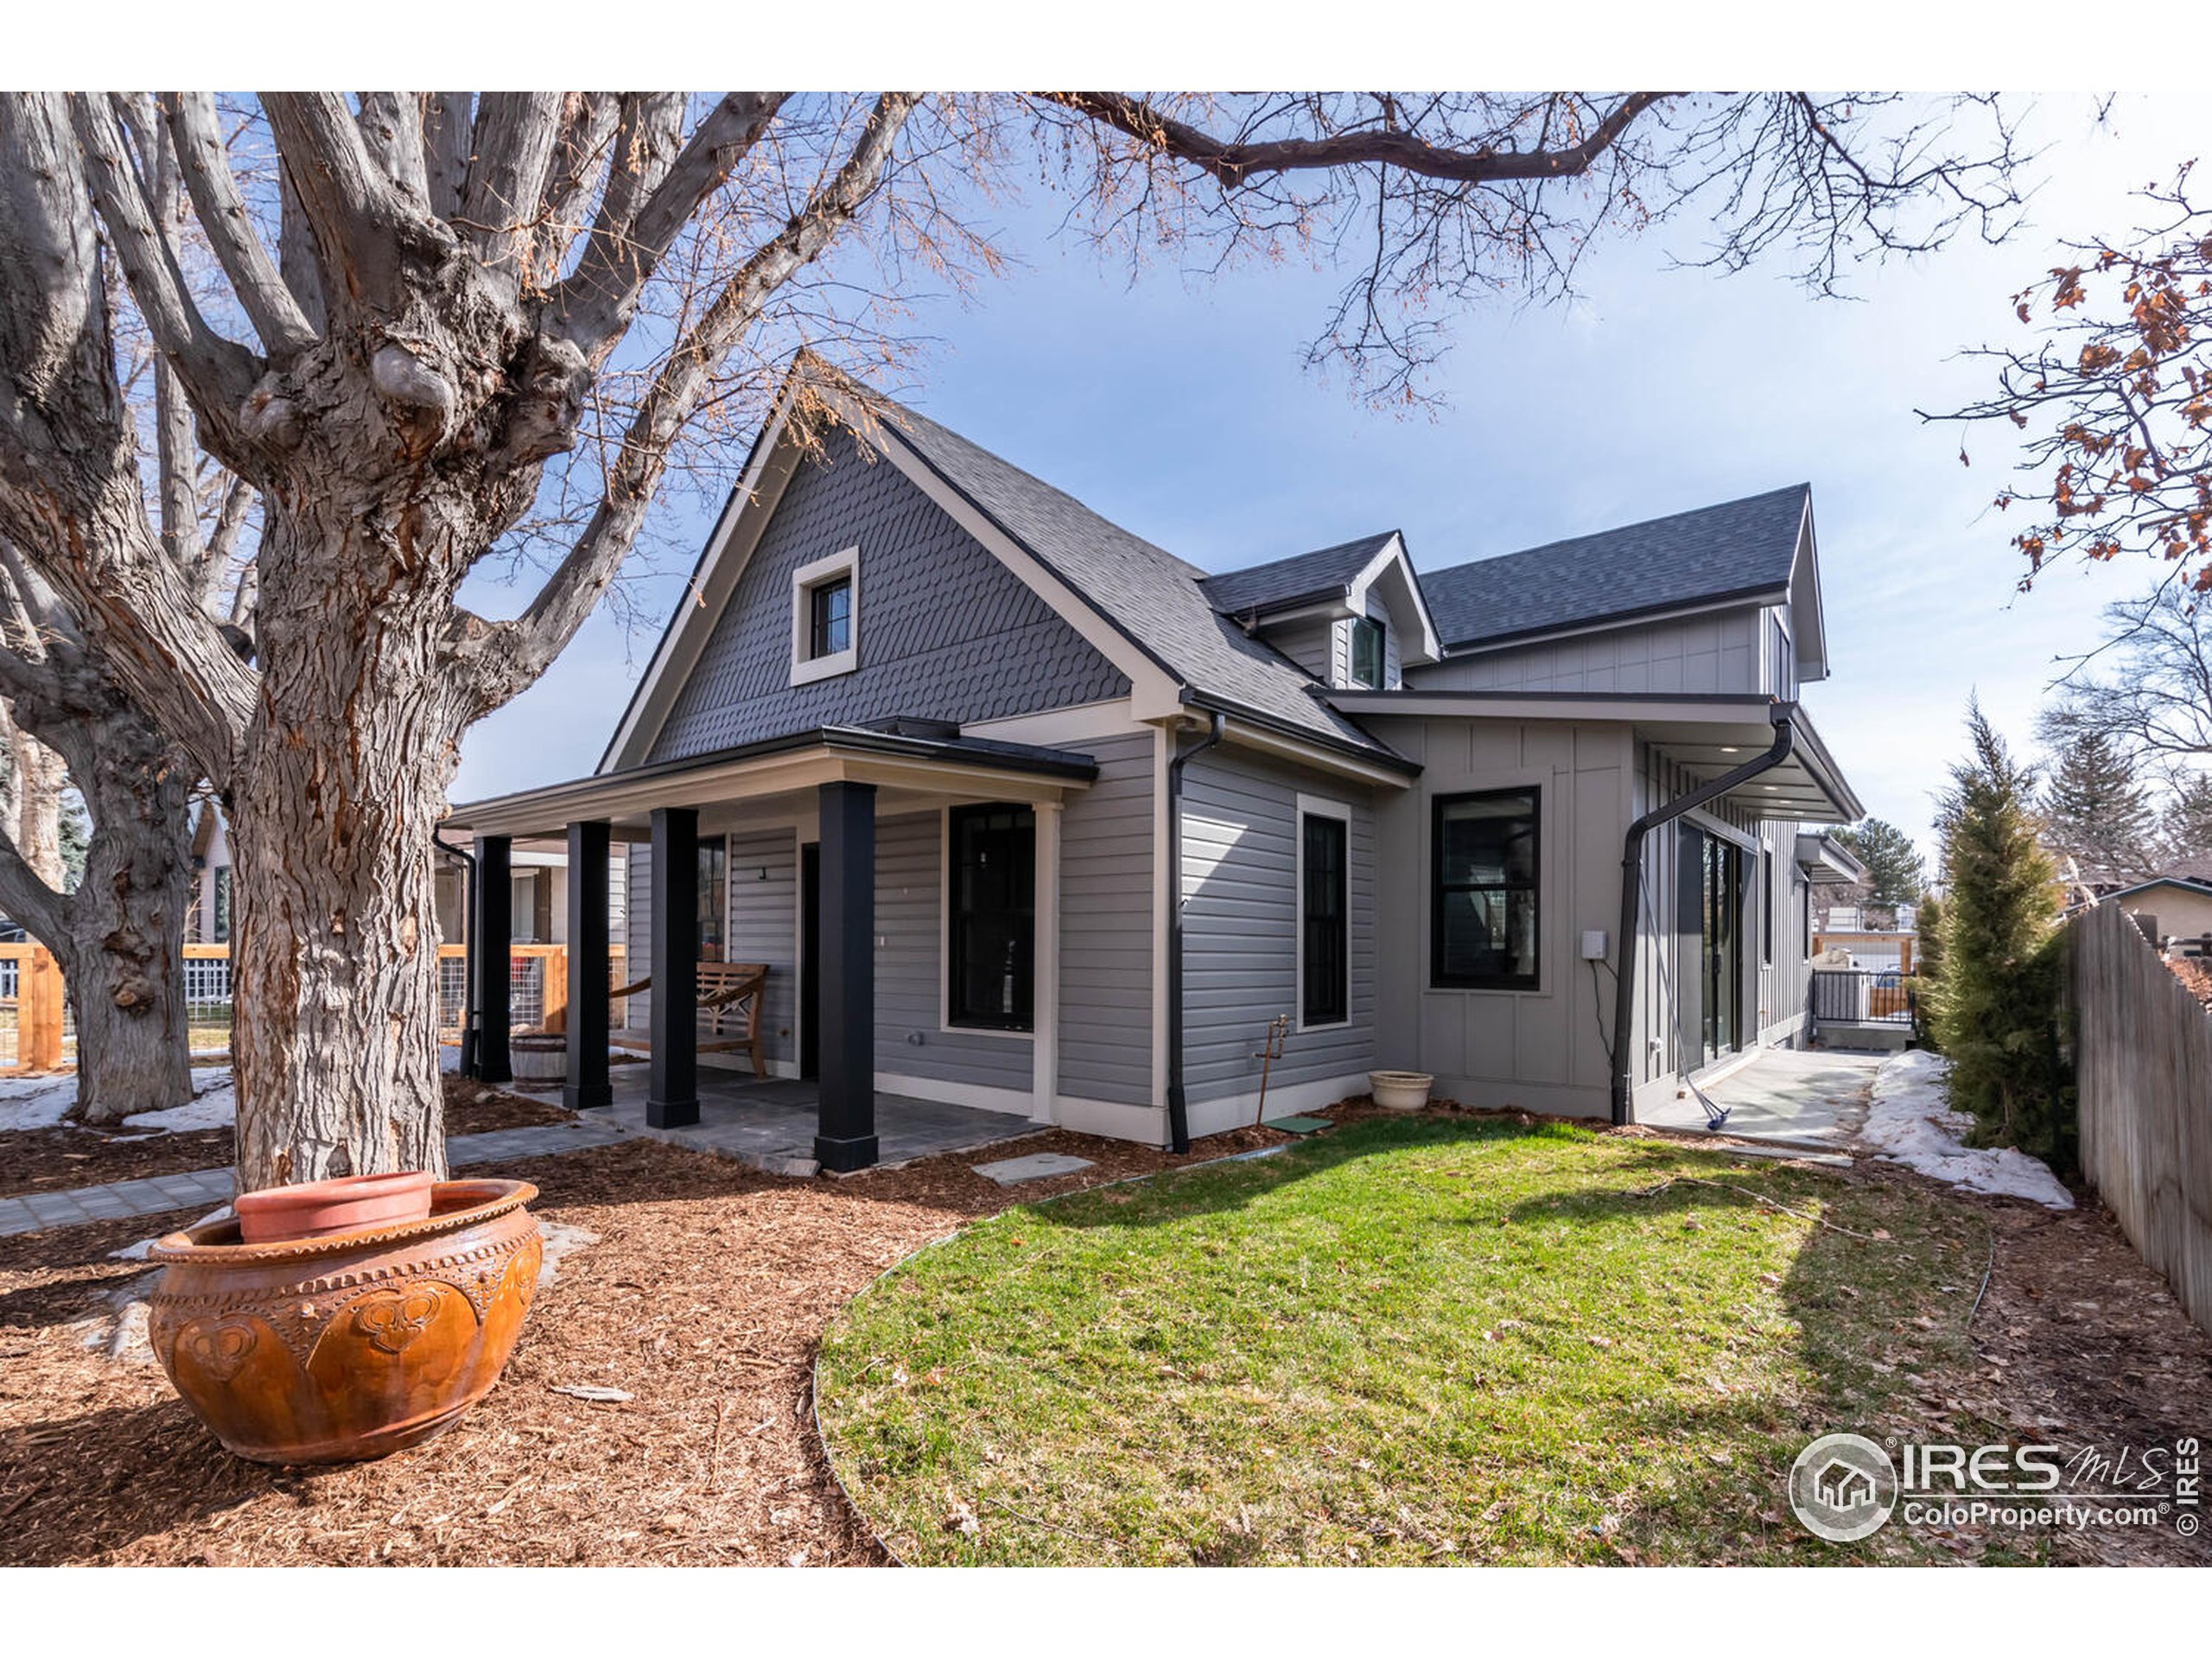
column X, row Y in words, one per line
column 1543, row 1050
column 1241, row 937
column 911, row 1038
column 763, row 870
column 1717, row 652
column 1107, row 912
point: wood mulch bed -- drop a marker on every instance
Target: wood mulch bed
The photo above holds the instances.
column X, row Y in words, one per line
column 704, row 1299
column 40, row 1160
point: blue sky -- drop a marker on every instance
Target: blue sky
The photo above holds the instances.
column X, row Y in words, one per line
column 1180, row 409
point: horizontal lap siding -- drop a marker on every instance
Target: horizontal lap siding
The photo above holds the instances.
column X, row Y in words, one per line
column 638, row 950
column 1239, row 927
column 1106, row 926
column 763, row 869
column 909, row 887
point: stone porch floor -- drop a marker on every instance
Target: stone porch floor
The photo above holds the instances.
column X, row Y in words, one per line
column 769, row 1122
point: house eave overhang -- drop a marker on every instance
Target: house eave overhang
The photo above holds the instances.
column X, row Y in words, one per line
column 1827, row 862
column 1706, row 734
column 779, row 765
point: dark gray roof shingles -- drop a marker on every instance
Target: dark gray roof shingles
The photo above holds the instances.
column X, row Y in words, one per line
column 1318, row 574
column 1156, row 599
column 1739, row 547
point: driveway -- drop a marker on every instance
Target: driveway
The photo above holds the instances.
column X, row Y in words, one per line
column 1813, row 1098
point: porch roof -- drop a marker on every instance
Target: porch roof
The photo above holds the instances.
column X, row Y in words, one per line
column 1704, row 733
column 914, row 757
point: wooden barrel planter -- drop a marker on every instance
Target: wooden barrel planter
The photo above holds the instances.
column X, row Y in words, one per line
column 538, row 1057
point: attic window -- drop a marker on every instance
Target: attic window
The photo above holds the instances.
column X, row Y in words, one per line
column 825, row 617
column 1367, row 652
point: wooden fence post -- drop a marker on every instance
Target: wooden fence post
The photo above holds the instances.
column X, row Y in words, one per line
column 41, row 1004
column 553, row 990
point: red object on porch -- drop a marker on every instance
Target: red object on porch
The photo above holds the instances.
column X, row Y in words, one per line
column 310, row 1209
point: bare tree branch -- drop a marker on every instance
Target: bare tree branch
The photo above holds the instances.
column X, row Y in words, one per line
column 261, row 290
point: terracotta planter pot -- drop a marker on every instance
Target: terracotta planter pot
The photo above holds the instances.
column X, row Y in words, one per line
column 310, row 1208
column 1401, row 1091
column 353, row 1345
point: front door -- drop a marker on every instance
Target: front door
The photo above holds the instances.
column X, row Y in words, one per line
column 810, row 959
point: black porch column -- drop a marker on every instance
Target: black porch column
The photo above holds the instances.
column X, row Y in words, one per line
column 845, row 1137
column 588, row 976
column 495, row 932
column 672, row 1089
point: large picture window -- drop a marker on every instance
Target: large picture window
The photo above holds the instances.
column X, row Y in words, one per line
column 1324, row 962
column 1483, row 891
column 991, row 917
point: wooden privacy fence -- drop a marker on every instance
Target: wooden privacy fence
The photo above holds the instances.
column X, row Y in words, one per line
column 38, row 1032
column 2143, row 1060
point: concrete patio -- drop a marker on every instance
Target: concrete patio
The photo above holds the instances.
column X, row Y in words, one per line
column 770, row 1122
column 1813, row 1099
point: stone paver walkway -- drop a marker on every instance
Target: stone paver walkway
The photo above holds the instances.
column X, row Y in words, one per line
column 35, row 1212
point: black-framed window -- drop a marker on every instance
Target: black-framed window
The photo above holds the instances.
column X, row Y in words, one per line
column 830, row 617
column 714, row 900
column 1367, row 652
column 992, row 910
column 1325, row 939
column 1482, row 890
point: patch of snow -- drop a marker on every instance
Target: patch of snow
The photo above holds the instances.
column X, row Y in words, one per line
column 214, row 1105
column 559, row 1240
column 37, row 1103
column 1910, row 1123
column 145, row 1247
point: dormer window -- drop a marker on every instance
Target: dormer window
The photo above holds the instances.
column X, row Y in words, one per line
column 1367, row 654
column 825, row 617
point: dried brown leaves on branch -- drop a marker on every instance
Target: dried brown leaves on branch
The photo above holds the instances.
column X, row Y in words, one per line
column 2115, row 399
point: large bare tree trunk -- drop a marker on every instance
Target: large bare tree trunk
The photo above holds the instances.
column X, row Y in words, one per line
column 336, row 954
column 125, row 969
column 119, row 937
column 36, row 777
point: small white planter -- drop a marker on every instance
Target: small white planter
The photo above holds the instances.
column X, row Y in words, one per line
column 1401, row 1091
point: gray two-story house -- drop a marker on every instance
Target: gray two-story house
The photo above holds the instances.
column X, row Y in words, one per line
column 1024, row 812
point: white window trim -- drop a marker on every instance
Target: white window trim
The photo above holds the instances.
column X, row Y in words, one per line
column 804, row 580
column 1318, row 806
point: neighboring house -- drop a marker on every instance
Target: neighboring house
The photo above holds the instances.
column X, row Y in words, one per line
column 1025, row 812
column 208, row 921
column 2168, row 906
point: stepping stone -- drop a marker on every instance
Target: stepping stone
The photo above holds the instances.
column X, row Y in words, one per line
column 1298, row 1125
column 1036, row 1166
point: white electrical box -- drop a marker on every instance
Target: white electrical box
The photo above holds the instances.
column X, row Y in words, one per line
column 1593, row 944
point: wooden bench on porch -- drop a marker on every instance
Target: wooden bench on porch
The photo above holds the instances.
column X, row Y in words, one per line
column 730, row 998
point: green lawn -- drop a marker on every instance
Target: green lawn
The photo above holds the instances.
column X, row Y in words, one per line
column 1425, row 1339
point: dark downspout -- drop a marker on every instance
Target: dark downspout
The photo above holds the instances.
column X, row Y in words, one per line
column 1624, row 1057
column 1179, row 1113
column 468, row 952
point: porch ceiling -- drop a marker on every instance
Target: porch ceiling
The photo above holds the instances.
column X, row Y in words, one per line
column 730, row 785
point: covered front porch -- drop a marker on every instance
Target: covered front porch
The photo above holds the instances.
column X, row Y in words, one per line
column 772, row 1122
column 825, row 860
